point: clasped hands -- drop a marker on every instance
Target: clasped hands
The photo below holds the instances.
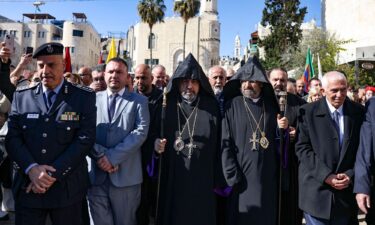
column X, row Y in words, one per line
column 106, row 165
column 338, row 181
column 40, row 179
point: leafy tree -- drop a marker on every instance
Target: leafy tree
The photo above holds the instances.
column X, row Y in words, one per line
column 151, row 12
column 284, row 18
column 187, row 10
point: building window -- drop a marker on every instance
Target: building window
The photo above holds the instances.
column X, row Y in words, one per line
column 13, row 32
column 134, row 44
column 154, row 61
column 72, row 50
column 26, row 34
column 3, row 33
column 41, row 34
column 78, row 33
column 151, row 41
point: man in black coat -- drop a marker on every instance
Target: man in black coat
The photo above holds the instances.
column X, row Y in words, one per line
column 364, row 165
column 51, row 130
column 327, row 142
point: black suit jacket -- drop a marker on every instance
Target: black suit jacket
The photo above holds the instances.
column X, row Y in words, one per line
column 60, row 137
column 318, row 152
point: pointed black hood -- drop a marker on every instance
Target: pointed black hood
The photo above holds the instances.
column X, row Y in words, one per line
column 251, row 71
column 190, row 69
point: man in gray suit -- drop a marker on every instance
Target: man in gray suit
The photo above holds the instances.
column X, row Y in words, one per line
column 116, row 173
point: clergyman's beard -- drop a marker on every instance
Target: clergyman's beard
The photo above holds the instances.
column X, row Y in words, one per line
column 249, row 93
column 188, row 97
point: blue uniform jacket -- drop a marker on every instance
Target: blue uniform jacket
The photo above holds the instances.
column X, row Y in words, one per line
column 60, row 137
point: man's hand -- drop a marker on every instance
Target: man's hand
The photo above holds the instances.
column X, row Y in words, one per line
column 292, row 133
column 338, row 181
column 159, row 145
column 40, row 180
column 4, row 53
column 282, row 122
column 105, row 165
column 363, row 202
column 25, row 59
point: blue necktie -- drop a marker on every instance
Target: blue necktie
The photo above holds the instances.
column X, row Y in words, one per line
column 336, row 120
column 112, row 106
column 49, row 98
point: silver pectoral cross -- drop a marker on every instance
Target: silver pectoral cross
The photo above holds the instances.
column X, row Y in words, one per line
column 254, row 140
column 191, row 147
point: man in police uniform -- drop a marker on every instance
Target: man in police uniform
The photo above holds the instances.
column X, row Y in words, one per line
column 51, row 130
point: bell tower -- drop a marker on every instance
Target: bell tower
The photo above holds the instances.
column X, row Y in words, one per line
column 208, row 7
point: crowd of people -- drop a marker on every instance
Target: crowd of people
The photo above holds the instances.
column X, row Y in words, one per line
column 246, row 147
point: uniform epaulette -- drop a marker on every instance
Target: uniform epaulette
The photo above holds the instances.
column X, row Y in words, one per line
column 25, row 87
column 80, row 86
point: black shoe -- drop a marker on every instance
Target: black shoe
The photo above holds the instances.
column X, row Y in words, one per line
column 4, row 218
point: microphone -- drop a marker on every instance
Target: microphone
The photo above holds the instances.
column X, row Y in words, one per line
column 282, row 101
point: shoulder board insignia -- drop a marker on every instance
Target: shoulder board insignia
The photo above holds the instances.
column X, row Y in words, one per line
column 25, row 87
column 80, row 86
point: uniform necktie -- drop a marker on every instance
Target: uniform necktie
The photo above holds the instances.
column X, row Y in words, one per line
column 49, row 98
column 112, row 106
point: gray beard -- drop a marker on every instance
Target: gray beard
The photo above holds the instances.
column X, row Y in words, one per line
column 189, row 98
column 218, row 90
column 249, row 94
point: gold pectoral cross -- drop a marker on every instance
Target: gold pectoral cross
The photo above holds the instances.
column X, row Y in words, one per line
column 191, row 147
column 254, row 140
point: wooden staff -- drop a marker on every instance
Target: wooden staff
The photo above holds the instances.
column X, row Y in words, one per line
column 282, row 103
column 163, row 111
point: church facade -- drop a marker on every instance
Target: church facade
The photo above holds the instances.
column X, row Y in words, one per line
column 202, row 40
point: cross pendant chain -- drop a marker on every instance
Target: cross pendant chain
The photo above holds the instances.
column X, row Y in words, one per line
column 191, row 147
column 254, row 140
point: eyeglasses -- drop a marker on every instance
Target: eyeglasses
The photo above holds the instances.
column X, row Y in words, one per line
column 99, row 79
column 84, row 74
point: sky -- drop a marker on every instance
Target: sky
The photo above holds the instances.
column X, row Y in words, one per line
column 237, row 17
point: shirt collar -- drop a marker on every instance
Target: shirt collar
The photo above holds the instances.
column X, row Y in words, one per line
column 332, row 109
column 56, row 89
column 121, row 92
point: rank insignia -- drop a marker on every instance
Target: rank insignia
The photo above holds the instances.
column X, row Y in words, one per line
column 69, row 116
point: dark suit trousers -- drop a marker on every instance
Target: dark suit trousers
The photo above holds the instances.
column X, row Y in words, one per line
column 71, row 215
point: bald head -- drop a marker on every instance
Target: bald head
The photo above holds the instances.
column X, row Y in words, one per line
column 158, row 72
column 217, row 77
column 143, row 79
column 85, row 74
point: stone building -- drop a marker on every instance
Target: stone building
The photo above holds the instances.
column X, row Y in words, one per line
column 202, row 40
column 351, row 20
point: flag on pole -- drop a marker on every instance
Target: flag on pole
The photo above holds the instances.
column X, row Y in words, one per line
column 309, row 69
column 320, row 73
column 112, row 51
column 68, row 63
column 100, row 60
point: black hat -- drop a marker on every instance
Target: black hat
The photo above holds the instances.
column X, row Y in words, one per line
column 252, row 70
column 51, row 48
column 190, row 69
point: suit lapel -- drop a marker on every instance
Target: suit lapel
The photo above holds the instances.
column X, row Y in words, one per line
column 325, row 114
column 103, row 105
column 348, row 129
column 59, row 101
column 40, row 99
column 122, row 102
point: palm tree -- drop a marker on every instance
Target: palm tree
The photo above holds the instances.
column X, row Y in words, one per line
column 151, row 12
column 187, row 10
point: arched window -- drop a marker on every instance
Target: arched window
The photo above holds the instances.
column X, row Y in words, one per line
column 151, row 41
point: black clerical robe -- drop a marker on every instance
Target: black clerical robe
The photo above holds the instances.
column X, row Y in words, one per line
column 187, row 184
column 253, row 174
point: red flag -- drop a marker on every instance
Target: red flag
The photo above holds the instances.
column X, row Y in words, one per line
column 68, row 63
column 100, row 61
